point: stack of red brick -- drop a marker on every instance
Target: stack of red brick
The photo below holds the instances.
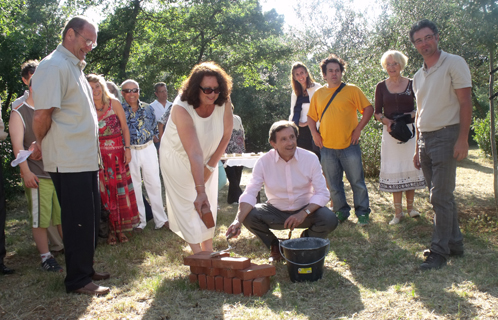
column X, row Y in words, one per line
column 229, row 275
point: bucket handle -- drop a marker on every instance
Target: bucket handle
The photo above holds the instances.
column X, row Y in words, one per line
column 299, row 264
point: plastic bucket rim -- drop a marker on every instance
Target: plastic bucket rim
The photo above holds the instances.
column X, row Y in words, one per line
column 304, row 264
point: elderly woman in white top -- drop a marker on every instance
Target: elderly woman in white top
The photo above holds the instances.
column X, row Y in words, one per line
column 303, row 88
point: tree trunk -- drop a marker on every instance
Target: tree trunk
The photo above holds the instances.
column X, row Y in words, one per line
column 129, row 40
column 492, row 124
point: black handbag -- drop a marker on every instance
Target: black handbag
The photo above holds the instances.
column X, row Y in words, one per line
column 399, row 128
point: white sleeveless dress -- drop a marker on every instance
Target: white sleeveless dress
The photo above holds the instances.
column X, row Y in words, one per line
column 178, row 180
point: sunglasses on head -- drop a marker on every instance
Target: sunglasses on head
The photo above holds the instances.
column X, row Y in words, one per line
column 134, row 90
column 210, row 90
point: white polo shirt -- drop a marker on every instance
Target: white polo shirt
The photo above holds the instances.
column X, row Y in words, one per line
column 434, row 89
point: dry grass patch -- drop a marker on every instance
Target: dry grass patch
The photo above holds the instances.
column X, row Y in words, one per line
column 370, row 273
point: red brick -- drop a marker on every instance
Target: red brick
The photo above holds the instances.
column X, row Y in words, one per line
column 200, row 259
column 247, row 287
column 218, row 283
column 227, row 285
column 260, row 286
column 256, row 271
column 232, row 263
column 198, row 270
column 210, row 283
column 193, row 278
column 237, row 286
column 213, row 272
column 228, row 273
column 202, row 281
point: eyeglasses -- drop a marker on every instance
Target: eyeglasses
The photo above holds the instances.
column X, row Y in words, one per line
column 428, row 37
column 134, row 90
column 210, row 90
column 392, row 64
column 88, row 41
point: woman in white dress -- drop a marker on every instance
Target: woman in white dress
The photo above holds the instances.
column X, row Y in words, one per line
column 394, row 96
column 303, row 88
column 193, row 142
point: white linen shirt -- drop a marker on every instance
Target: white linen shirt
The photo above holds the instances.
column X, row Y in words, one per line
column 72, row 142
column 159, row 109
column 289, row 185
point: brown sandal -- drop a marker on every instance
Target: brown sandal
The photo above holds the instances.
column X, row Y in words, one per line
column 111, row 240
column 122, row 237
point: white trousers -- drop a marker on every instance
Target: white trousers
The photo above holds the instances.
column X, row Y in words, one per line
column 146, row 160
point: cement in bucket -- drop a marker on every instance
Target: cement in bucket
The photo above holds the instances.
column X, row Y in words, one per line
column 305, row 258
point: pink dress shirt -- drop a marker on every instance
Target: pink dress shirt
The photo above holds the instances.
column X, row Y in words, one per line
column 290, row 185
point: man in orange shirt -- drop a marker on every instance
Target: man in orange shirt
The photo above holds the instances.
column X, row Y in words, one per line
column 339, row 135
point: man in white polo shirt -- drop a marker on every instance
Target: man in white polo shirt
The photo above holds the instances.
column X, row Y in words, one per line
column 66, row 129
column 444, row 112
column 160, row 106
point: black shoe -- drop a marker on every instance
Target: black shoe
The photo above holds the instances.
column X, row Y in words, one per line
column 5, row 269
column 456, row 253
column 433, row 261
column 51, row 265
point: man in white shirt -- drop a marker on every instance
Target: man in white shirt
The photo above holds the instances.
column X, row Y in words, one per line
column 160, row 105
column 444, row 113
column 295, row 189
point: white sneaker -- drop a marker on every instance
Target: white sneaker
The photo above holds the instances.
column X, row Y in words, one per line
column 414, row 213
column 395, row 220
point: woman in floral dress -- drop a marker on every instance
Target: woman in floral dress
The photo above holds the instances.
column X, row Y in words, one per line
column 116, row 188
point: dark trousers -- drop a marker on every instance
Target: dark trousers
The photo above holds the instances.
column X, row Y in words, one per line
column 3, row 216
column 264, row 217
column 234, row 174
column 79, row 197
column 439, row 168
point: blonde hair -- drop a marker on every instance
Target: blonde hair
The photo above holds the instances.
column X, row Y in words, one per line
column 106, row 95
column 399, row 57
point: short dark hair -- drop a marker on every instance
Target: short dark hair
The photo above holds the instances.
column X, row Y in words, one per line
column 420, row 25
column 279, row 126
column 28, row 68
column 332, row 58
column 77, row 24
column 160, row 84
column 190, row 87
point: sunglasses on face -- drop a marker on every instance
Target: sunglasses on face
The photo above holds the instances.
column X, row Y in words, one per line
column 210, row 90
column 134, row 90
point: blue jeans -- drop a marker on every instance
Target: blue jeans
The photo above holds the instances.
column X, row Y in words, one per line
column 439, row 168
column 334, row 163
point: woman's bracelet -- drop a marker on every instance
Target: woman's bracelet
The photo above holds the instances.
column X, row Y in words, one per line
column 200, row 185
column 209, row 167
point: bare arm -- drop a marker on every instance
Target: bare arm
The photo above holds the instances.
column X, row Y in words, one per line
column 367, row 114
column 190, row 142
column 317, row 138
column 461, row 148
column 227, row 133
column 416, row 157
column 42, row 122
column 160, row 126
column 16, row 130
column 118, row 110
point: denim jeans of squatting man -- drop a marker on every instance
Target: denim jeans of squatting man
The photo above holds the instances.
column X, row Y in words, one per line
column 439, row 168
column 334, row 163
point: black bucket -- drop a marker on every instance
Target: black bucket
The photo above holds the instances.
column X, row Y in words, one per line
column 305, row 258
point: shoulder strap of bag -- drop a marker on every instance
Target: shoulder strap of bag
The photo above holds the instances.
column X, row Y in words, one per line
column 333, row 96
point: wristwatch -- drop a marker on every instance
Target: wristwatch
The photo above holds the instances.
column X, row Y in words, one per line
column 308, row 212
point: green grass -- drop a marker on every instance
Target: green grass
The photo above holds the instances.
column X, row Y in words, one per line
column 370, row 272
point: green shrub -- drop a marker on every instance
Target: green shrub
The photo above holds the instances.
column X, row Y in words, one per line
column 11, row 176
column 482, row 132
column 371, row 139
